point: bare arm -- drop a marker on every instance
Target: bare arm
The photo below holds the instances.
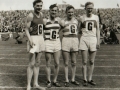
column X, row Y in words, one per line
column 27, row 24
column 44, row 23
column 62, row 23
column 98, row 34
column 79, row 26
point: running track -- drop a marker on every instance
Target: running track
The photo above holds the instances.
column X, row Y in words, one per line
column 14, row 60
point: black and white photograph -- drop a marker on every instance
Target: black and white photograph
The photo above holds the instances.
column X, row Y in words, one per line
column 59, row 44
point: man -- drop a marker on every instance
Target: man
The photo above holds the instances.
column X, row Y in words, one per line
column 52, row 44
column 89, row 41
column 34, row 32
column 70, row 43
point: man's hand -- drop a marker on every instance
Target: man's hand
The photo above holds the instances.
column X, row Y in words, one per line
column 31, row 44
column 98, row 46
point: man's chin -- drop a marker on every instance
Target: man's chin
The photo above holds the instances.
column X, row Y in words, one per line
column 89, row 13
column 38, row 11
column 53, row 16
column 71, row 16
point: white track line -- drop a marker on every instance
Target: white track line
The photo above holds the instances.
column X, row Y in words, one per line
column 4, row 58
column 22, row 48
column 64, row 88
column 20, row 74
column 12, row 49
column 43, row 55
column 9, row 87
column 9, row 65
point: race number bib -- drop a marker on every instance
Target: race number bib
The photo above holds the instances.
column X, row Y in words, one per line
column 73, row 29
column 40, row 29
column 89, row 25
column 53, row 35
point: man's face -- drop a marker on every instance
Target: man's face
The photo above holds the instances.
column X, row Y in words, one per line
column 89, row 8
column 53, row 11
column 70, row 13
column 38, row 7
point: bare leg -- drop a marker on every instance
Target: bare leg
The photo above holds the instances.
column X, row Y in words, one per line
column 73, row 63
column 91, row 64
column 84, row 62
column 30, row 70
column 48, row 69
column 66, row 60
column 56, row 56
column 36, row 69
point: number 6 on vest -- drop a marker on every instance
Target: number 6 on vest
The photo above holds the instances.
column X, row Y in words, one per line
column 40, row 29
column 53, row 35
column 72, row 29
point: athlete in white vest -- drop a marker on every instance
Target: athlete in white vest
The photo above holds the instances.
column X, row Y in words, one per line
column 70, row 43
column 89, row 41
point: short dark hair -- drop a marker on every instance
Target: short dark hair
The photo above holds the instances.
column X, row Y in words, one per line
column 37, row 1
column 88, row 3
column 69, row 7
column 52, row 6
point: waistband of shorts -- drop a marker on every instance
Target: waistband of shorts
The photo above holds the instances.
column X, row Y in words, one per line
column 89, row 36
column 74, row 36
column 37, row 35
column 51, row 39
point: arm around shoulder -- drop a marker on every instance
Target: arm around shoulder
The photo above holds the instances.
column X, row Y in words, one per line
column 80, row 25
column 44, row 21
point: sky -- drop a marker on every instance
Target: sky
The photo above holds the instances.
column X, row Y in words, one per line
column 27, row 4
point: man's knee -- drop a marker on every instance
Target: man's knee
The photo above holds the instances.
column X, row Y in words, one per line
column 56, row 65
column 48, row 64
column 66, row 64
column 73, row 63
column 91, row 62
column 37, row 64
column 85, row 62
column 31, row 65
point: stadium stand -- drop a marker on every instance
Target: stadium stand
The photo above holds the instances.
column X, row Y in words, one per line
column 14, row 21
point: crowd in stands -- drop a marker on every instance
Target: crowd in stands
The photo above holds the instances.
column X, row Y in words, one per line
column 108, row 34
column 14, row 21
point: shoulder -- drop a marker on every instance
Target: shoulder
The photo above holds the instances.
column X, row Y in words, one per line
column 80, row 19
column 44, row 21
column 58, row 19
column 62, row 20
column 41, row 14
column 76, row 19
column 30, row 17
column 96, row 16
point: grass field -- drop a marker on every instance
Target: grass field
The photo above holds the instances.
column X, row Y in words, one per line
column 14, row 60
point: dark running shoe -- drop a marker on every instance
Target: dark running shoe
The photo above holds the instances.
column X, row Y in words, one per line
column 92, row 82
column 85, row 83
column 49, row 85
column 75, row 82
column 66, row 84
column 56, row 84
